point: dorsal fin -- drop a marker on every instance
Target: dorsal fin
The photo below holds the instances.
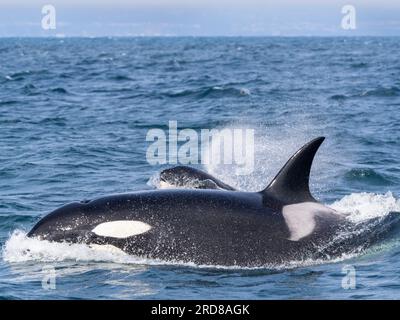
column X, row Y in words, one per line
column 291, row 184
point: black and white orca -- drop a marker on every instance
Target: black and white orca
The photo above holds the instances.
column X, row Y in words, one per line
column 211, row 225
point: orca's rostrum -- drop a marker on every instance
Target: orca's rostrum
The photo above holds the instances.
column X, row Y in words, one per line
column 211, row 226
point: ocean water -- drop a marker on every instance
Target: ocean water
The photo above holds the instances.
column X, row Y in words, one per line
column 74, row 114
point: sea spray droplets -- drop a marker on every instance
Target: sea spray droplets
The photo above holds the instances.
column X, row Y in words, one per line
column 365, row 206
column 20, row 248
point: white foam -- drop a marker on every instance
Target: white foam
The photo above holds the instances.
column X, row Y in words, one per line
column 364, row 206
column 244, row 92
column 19, row 249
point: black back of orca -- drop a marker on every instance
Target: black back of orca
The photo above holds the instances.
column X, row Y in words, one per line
column 210, row 227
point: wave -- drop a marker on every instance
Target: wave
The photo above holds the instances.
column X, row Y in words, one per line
column 57, row 121
column 210, row 92
column 382, row 92
column 339, row 97
column 367, row 176
column 376, row 213
column 8, row 102
column 21, row 249
column 379, row 92
column 30, row 90
column 59, row 90
column 359, row 65
column 22, row 75
column 120, row 77
column 17, row 76
column 361, row 207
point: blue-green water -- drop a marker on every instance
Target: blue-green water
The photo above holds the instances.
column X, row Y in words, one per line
column 74, row 114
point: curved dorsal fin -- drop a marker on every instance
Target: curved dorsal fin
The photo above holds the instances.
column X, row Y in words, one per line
column 291, row 184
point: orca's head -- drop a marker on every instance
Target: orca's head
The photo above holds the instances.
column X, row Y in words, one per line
column 84, row 222
column 174, row 177
column 192, row 178
column 68, row 223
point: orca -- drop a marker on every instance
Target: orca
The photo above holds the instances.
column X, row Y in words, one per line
column 279, row 224
column 188, row 177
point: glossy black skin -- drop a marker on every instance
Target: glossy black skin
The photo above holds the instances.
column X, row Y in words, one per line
column 210, row 227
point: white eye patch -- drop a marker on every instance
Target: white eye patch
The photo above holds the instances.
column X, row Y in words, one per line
column 121, row 228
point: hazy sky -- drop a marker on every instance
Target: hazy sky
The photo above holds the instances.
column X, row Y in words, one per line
column 199, row 17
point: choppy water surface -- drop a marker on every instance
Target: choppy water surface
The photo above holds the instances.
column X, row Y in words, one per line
column 74, row 114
